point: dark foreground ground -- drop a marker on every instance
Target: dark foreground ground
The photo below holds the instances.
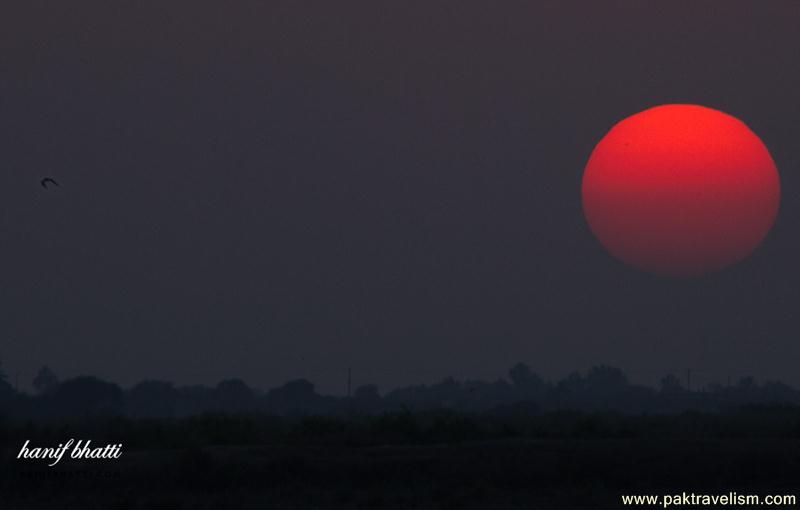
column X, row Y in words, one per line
column 519, row 473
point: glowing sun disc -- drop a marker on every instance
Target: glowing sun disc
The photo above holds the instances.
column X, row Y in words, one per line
column 680, row 190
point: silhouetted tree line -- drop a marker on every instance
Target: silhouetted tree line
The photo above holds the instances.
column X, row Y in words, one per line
column 522, row 393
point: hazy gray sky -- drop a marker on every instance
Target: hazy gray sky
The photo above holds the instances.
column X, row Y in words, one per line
column 271, row 190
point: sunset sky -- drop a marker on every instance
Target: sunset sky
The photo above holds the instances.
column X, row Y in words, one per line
column 281, row 189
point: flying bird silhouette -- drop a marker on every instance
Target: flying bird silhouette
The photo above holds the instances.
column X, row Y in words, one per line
column 48, row 180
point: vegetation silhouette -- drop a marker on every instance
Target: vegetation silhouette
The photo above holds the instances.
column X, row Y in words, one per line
column 600, row 389
column 516, row 442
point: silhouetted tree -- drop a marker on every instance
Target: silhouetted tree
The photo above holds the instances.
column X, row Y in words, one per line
column 7, row 396
column 45, row 381
column 298, row 389
column 88, row 396
column 573, row 383
column 234, row 395
column 195, row 400
column 606, row 379
column 520, row 374
column 7, row 392
column 367, row 399
column 151, row 399
column 746, row 384
column 778, row 392
column 294, row 397
column 745, row 391
column 670, row 384
column 445, row 393
column 527, row 384
column 367, row 392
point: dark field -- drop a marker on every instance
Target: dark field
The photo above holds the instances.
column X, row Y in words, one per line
column 325, row 463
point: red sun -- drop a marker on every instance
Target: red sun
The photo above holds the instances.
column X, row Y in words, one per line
column 680, row 190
